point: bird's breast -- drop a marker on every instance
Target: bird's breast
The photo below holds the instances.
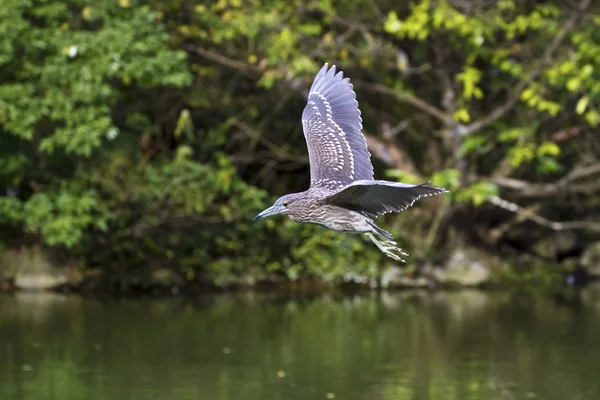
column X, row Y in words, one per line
column 331, row 217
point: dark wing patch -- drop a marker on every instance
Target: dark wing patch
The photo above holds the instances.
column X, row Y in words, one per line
column 376, row 198
column 332, row 126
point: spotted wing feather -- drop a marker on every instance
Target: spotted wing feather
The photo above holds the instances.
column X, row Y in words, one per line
column 380, row 197
column 332, row 126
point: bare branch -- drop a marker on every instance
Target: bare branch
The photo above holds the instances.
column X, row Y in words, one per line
column 529, row 214
column 388, row 152
column 545, row 61
column 443, row 73
column 280, row 152
column 223, row 60
column 530, row 189
column 407, row 98
column 566, row 134
column 496, row 233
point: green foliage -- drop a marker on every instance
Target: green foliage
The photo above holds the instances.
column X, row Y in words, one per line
column 448, row 178
column 577, row 75
column 469, row 78
column 534, row 98
column 403, row 176
column 149, row 134
column 477, row 193
column 11, row 209
column 62, row 92
column 64, row 215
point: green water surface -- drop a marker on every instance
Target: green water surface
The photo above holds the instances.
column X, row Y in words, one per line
column 449, row 345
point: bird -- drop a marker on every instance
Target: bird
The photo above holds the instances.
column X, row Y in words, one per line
column 343, row 195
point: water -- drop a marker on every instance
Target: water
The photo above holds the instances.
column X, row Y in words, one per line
column 458, row 345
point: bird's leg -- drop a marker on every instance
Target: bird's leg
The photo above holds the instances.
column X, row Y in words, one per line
column 388, row 247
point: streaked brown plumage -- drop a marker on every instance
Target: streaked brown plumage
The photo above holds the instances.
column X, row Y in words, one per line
column 343, row 195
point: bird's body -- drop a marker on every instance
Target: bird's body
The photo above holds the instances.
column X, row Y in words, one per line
column 331, row 217
column 343, row 196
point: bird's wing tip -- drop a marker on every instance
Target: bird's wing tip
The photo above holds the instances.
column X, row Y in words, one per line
column 333, row 71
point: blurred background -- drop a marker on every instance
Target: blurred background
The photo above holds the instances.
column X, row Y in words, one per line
column 139, row 138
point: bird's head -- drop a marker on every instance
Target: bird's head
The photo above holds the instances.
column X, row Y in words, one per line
column 283, row 205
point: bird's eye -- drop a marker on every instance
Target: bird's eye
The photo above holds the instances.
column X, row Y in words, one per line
column 285, row 203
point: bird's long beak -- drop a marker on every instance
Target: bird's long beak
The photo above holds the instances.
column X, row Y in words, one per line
column 268, row 212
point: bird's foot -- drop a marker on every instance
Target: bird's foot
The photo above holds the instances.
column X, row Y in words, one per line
column 388, row 247
column 392, row 250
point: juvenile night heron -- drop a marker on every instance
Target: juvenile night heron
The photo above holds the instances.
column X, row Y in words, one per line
column 343, row 196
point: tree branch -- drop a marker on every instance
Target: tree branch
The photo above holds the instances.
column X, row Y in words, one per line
column 407, row 98
column 529, row 214
column 566, row 134
column 496, row 233
column 546, row 59
column 388, row 152
column 530, row 189
column 280, row 152
column 223, row 60
column 440, row 53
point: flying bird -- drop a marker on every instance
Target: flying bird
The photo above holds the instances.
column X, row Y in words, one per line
column 343, row 196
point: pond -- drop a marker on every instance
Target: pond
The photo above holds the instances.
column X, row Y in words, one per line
column 409, row 345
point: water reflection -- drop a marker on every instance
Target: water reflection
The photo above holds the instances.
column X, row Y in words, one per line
column 450, row 345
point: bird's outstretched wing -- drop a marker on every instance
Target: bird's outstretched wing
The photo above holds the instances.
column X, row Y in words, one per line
column 332, row 125
column 380, row 197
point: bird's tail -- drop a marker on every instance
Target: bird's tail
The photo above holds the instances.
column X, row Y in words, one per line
column 380, row 232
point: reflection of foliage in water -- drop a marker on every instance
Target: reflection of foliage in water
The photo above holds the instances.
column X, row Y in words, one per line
column 453, row 345
column 143, row 132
